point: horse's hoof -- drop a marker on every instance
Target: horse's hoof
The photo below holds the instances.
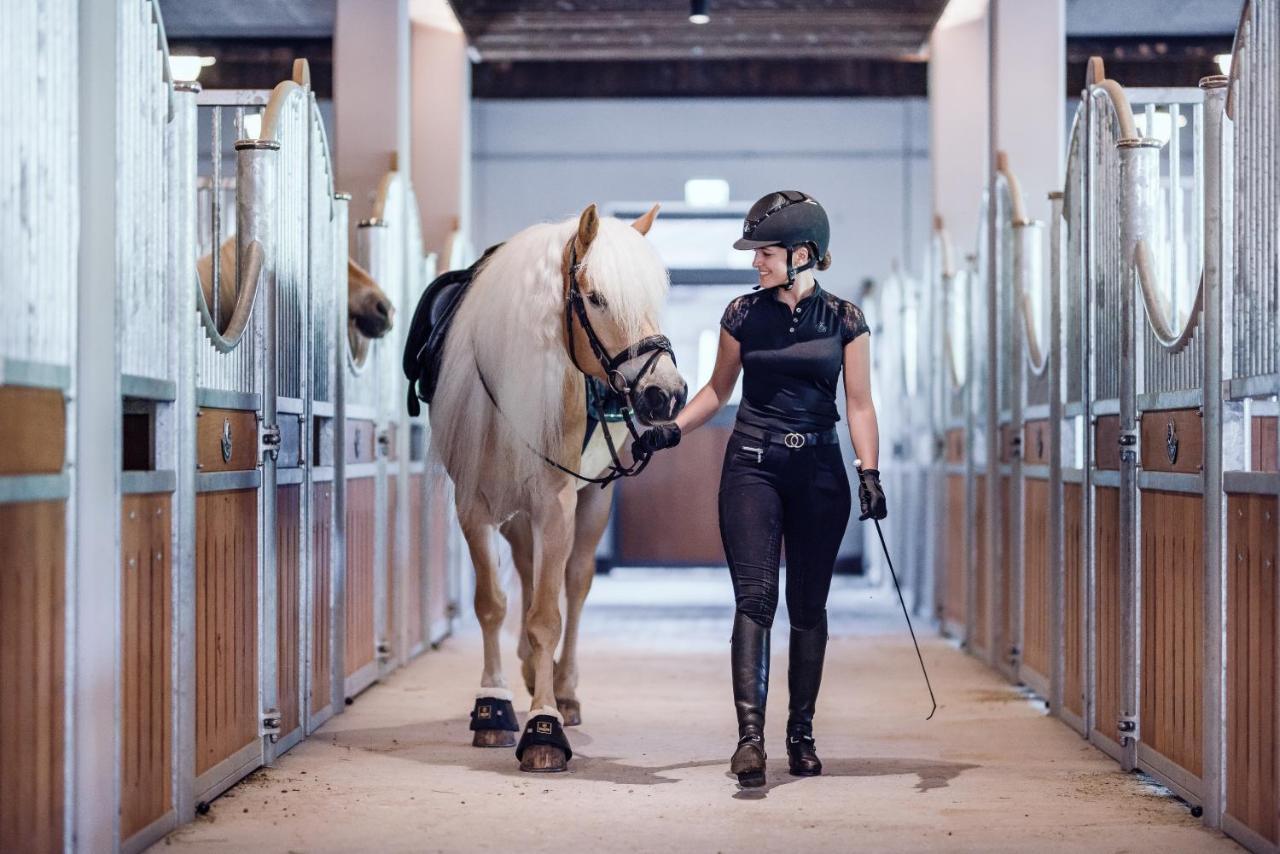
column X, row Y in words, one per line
column 493, row 738
column 543, row 759
column 571, row 711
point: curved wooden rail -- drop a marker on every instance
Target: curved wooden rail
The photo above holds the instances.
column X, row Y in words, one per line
column 1238, row 44
column 1096, row 78
column 1020, row 221
column 947, row 283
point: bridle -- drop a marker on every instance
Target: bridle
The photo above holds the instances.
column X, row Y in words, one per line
column 618, row 380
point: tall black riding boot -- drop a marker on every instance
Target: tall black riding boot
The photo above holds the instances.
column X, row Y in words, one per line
column 750, row 664
column 804, row 676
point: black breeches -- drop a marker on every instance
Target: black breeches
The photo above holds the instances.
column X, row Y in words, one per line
column 771, row 495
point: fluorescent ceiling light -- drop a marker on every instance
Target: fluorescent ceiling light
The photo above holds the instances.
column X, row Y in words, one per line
column 706, row 192
column 187, row 68
column 1224, row 62
column 698, row 12
column 960, row 12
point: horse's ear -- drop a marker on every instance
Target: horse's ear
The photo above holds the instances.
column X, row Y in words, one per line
column 588, row 226
column 644, row 223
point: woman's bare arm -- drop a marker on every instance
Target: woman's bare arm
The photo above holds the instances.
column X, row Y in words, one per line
column 864, row 431
column 715, row 394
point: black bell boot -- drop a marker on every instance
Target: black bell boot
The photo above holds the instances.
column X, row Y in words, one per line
column 750, row 665
column 804, row 676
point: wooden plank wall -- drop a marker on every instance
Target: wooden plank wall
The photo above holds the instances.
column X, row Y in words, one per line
column 1172, row 645
column 147, row 619
column 361, row 498
column 1036, row 626
column 1252, row 790
column 1108, row 619
column 32, row 671
column 226, row 624
column 413, row 591
column 1006, row 567
column 982, row 567
column 288, row 605
column 438, row 552
column 393, row 593
column 321, row 604
column 953, row 600
column 1073, row 599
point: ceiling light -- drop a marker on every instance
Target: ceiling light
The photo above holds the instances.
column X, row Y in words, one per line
column 1224, row 62
column 252, row 127
column 706, row 192
column 698, row 12
column 187, row 68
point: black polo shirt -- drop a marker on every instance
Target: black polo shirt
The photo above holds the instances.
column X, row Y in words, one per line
column 791, row 360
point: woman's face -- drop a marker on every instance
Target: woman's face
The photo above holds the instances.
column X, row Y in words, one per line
column 771, row 263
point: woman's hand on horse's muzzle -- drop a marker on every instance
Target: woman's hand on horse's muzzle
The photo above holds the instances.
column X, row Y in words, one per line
column 870, row 495
column 657, row 438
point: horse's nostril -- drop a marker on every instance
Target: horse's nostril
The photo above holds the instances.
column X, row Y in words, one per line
column 655, row 399
column 383, row 308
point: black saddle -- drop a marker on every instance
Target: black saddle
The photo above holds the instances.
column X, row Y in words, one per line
column 424, row 346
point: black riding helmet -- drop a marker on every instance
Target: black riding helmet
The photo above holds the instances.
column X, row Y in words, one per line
column 787, row 218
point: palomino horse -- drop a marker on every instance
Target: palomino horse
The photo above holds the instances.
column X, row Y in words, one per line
column 369, row 312
column 553, row 303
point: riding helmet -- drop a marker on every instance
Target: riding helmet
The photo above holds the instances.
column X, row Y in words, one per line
column 787, row 218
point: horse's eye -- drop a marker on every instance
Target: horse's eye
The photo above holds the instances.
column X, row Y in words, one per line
column 596, row 300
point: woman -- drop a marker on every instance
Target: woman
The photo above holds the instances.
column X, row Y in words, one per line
column 783, row 479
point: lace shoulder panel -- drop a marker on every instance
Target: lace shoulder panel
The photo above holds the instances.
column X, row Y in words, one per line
column 735, row 313
column 852, row 322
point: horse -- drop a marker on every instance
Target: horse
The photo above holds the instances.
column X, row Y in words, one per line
column 552, row 304
column 369, row 313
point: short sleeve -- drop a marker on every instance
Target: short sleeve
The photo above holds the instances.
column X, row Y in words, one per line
column 735, row 313
column 852, row 323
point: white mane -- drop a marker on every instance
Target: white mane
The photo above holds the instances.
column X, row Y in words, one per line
column 510, row 326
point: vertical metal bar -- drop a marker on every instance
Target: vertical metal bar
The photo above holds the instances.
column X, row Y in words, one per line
column 1053, row 359
column 1175, row 248
column 215, row 162
column 993, row 336
column 1215, row 93
column 338, row 543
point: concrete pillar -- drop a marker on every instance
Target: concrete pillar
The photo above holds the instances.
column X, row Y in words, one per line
column 441, row 119
column 958, row 61
column 371, row 95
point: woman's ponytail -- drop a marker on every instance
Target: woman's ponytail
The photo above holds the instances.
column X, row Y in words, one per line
column 825, row 262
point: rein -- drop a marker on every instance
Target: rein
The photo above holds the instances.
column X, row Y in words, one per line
column 654, row 345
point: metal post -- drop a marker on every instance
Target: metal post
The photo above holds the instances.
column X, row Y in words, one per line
column 1056, row 566
column 994, row 336
column 1214, row 794
column 338, row 542
column 1139, row 183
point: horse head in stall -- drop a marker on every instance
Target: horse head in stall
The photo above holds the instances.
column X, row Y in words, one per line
column 370, row 314
column 555, row 305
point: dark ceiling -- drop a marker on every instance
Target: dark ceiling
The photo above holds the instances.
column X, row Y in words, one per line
column 634, row 30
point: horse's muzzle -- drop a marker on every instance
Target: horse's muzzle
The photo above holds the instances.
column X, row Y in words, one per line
column 656, row 404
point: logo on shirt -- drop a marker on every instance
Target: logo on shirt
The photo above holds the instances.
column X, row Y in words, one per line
column 822, row 327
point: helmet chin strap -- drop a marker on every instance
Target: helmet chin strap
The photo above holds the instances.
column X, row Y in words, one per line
column 793, row 270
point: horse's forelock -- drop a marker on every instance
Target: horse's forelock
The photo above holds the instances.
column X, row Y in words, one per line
column 625, row 268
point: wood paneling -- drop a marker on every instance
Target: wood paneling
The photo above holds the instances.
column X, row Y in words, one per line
column 955, row 446
column 1035, row 443
column 361, row 444
column 1181, row 430
column 953, row 598
column 416, row 562
column 1109, row 653
column 321, row 595
column 1173, row 626
column 1036, row 616
column 982, row 568
column 1006, row 567
column 33, row 422
column 393, row 450
column 394, row 593
column 1252, row 791
column 32, row 671
column 146, row 740
column 668, row 515
column 226, row 624
column 1106, row 443
column 361, row 522
column 1073, row 596
column 231, row 430
column 1264, row 448
column 288, row 604
column 438, row 551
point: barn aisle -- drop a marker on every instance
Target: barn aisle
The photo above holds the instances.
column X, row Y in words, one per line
column 990, row 773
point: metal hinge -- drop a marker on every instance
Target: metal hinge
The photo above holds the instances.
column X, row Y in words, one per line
column 269, row 440
column 1015, row 447
column 1128, row 441
column 1127, row 726
column 271, row 724
column 384, row 651
column 384, row 443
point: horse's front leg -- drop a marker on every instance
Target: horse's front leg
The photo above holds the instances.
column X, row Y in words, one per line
column 543, row 747
column 493, row 719
column 591, row 519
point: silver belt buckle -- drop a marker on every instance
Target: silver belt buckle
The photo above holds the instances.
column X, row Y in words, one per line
column 793, row 440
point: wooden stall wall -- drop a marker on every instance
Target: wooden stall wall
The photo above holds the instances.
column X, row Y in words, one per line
column 226, row 625
column 438, row 557
column 982, row 568
column 953, row 607
column 289, row 604
column 146, row 658
column 362, row 495
column 1036, row 623
column 1109, row 655
column 1073, row 694
column 320, row 694
column 415, row 631
column 1006, row 568
column 394, row 592
column 1251, row 685
column 32, row 671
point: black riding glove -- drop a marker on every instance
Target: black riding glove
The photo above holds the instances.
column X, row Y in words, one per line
column 871, row 496
column 657, row 438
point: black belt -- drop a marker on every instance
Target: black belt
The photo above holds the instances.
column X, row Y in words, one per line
column 791, row 440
